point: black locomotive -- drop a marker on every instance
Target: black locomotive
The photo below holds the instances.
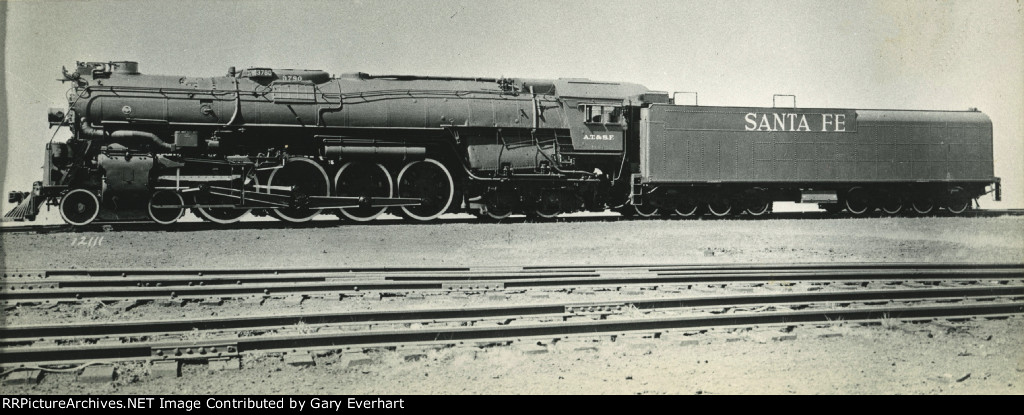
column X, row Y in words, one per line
column 294, row 144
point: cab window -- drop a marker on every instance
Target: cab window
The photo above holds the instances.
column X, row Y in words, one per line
column 602, row 114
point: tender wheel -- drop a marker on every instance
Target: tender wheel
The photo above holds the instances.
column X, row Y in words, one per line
column 645, row 211
column 687, row 208
column 857, row 201
column 429, row 181
column 761, row 208
column 958, row 202
column 720, row 206
column 79, row 207
column 362, row 179
column 759, row 203
column 166, row 207
column 306, row 178
column 923, row 206
column 892, row 205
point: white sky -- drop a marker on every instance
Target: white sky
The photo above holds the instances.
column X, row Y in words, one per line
column 856, row 54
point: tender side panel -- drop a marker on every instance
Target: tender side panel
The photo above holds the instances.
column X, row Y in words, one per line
column 936, row 146
column 687, row 144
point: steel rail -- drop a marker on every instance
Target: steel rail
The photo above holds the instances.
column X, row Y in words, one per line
column 12, row 293
column 189, row 279
column 12, row 356
column 25, row 332
column 213, row 272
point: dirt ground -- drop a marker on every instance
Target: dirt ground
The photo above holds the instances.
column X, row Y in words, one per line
column 978, row 356
column 516, row 244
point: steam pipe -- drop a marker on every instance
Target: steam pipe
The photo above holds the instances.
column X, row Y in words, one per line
column 122, row 136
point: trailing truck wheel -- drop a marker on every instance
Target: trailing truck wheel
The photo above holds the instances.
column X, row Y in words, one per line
column 429, row 181
column 857, row 201
column 166, row 207
column 305, row 178
column 362, row 179
column 543, row 214
column 79, row 207
column 498, row 213
column 497, row 210
column 496, row 206
column 548, row 206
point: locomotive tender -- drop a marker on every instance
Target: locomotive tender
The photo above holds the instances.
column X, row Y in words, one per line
column 294, row 144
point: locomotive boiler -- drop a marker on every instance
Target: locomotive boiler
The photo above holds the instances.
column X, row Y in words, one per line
column 294, row 144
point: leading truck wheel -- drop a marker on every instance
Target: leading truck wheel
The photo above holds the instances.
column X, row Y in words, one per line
column 79, row 207
column 302, row 178
column 166, row 207
column 429, row 181
column 362, row 179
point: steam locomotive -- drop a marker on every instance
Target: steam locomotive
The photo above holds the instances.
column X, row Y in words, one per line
column 294, row 144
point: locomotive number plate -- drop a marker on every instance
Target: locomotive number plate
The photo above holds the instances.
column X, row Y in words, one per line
column 261, row 73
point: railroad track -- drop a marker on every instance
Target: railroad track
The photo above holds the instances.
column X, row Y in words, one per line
column 331, row 223
column 946, row 291
column 549, row 323
column 27, row 286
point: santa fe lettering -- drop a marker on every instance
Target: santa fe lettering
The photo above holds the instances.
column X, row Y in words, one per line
column 376, row 404
column 792, row 122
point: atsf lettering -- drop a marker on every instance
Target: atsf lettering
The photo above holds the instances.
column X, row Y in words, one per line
column 795, row 122
column 598, row 136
